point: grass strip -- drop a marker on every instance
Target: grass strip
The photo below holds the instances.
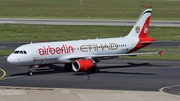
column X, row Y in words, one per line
column 28, row 33
column 5, row 52
column 92, row 9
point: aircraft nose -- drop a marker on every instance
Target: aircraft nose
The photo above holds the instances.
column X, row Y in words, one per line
column 11, row 59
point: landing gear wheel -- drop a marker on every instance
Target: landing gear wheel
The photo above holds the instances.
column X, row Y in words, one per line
column 95, row 70
column 68, row 66
column 30, row 71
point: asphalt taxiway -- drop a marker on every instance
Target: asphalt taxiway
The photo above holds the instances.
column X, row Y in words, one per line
column 115, row 74
column 118, row 79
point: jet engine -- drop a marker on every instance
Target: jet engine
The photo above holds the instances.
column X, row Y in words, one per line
column 82, row 65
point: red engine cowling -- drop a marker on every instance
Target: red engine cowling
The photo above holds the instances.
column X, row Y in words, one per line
column 82, row 65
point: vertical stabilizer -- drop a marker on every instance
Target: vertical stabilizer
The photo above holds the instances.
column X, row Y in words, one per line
column 140, row 29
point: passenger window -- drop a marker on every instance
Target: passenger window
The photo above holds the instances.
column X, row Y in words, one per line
column 25, row 52
column 21, row 52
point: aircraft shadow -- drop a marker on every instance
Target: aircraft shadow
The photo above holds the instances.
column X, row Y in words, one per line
column 59, row 69
column 131, row 65
column 132, row 73
column 46, row 70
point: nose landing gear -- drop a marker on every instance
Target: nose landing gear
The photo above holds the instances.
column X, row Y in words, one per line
column 30, row 70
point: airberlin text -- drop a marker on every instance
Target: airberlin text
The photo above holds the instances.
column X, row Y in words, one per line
column 45, row 50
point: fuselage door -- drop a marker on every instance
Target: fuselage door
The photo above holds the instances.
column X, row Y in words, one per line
column 37, row 59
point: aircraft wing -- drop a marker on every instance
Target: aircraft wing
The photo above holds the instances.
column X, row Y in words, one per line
column 113, row 55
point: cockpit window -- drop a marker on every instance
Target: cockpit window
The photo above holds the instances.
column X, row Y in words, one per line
column 16, row 52
column 20, row 52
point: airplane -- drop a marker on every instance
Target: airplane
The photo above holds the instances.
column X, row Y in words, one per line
column 83, row 55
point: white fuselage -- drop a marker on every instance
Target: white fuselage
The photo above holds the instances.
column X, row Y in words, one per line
column 61, row 52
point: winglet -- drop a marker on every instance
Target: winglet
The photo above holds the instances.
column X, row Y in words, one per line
column 160, row 53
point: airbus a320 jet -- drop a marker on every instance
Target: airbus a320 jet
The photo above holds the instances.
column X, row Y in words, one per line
column 83, row 55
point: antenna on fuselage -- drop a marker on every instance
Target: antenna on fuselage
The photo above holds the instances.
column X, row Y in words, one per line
column 97, row 37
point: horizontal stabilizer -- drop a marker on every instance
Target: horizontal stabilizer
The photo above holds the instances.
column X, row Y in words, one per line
column 160, row 53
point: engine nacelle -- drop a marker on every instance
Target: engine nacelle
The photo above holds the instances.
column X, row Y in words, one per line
column 82, row 65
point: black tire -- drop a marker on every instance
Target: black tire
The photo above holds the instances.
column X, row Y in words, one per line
column 95, row 70
column 29, row 73
column 68, row 66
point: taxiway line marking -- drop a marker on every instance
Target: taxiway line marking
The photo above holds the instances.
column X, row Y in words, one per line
column 25, row 88
column 162, row 89
column 10, row 77
column 4, row 73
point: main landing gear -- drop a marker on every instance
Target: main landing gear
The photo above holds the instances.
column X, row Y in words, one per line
column 95, row 70
column 30, row 71
column 68, row 66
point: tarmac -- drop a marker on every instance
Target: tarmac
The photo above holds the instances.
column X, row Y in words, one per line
column 66, row 94
column 167, row 71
